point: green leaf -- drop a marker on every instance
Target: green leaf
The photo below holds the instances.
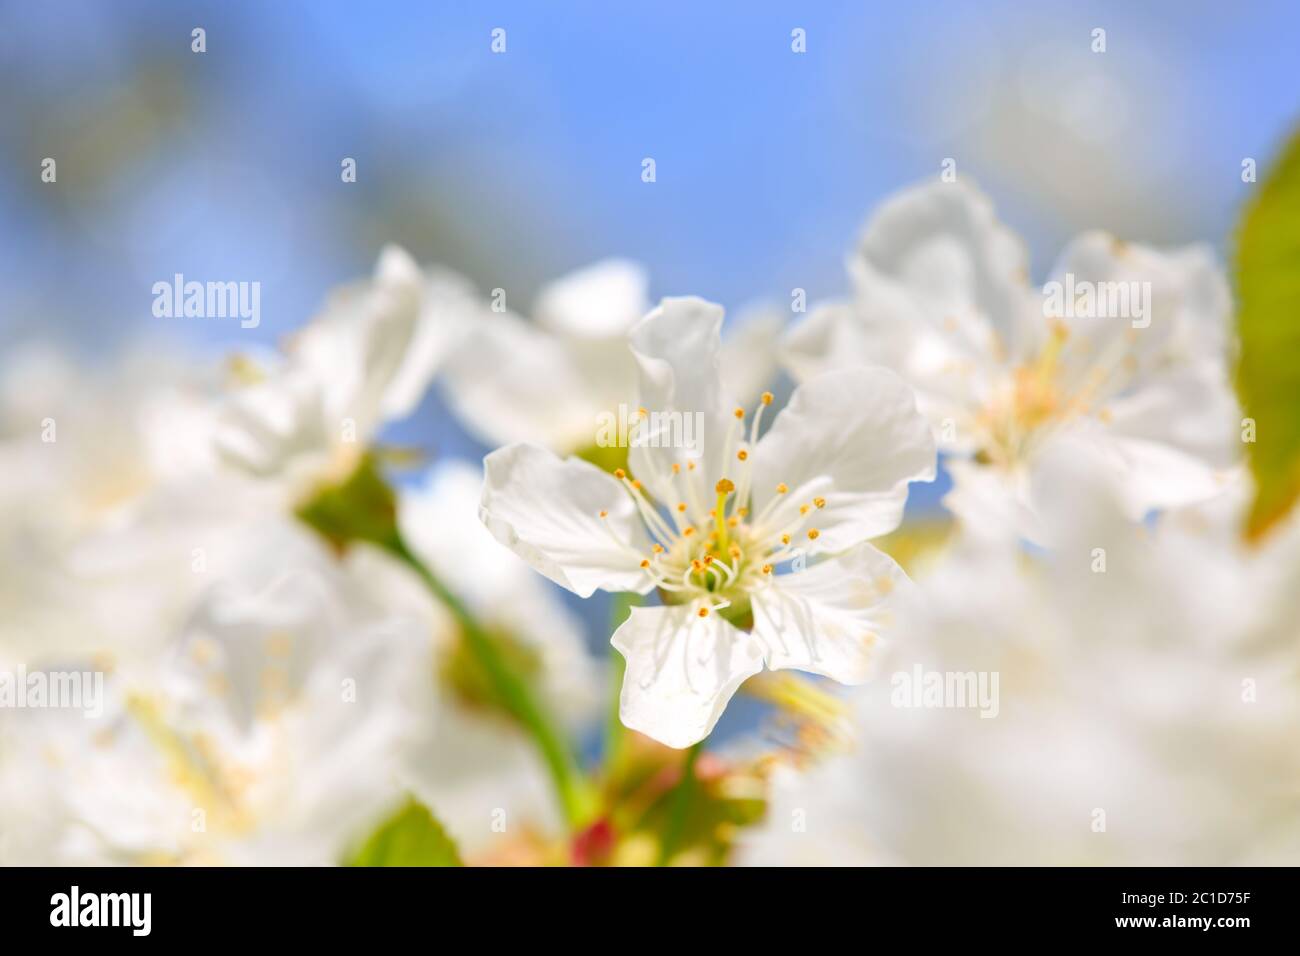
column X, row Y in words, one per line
column 1268, row 324
column 411, row 837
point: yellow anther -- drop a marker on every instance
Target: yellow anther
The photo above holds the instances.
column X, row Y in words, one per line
column 604, row 514
column 636, row 483
column 742, row 454
column 677, row 469
column 620, row 474
column 743, row 512
column 782, row 488
column 724, row 487
column 735, row 551
column 732, row 521
column 767, row 569
column 681, row 506
column 812, row 534
column 740, row 413
column 803, row 509
column 704, row 612
column 690, row 466
column 645, row 562
column 697, row 565
column 642, row 411
column 688, row 531
column 767, row 398
column 820, row 502
column 708, row 559
column 785, row 539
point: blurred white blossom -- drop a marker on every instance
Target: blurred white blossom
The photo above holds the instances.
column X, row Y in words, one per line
column 942, row 295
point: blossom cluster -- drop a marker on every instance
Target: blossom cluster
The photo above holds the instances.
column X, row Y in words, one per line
column 304, row 634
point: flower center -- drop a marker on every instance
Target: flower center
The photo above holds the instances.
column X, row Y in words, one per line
column 1038, row 396
column 717, row 558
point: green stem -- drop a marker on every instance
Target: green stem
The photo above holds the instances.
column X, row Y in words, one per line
column 681, row 798
column 615, row 732
column 572, row 789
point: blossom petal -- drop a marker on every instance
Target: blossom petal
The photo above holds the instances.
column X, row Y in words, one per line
column 602, row 300
column 678, row 349
column 510, row 381
column 749, row 354
column 993, row 504
column 828, row 618
column 853, row 437
column 833, row 336
column 943, row 244
column 334, row 381
column 681, row 671
column 357, row 346
column 1167, row 303
column 547, row 511
column 450, row 306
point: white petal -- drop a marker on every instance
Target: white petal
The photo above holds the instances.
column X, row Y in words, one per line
column 1148, row 473
column 749, row 354
column 548, row 512
column 1178, row 304
column 509, row 381
column 334, row 379
column 943, row 245
column 853, row 437
column 833, row 336
column 994, row 504
column 275, row 427
column 678, row 350
column 356, row 348
column 828, row 619
column 603, row 300
column 681, row 671
column 447, row 313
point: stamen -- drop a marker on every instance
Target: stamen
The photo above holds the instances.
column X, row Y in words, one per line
column 656, row 524
column 724, row 487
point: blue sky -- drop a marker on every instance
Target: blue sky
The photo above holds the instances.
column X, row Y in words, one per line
column 515, row 167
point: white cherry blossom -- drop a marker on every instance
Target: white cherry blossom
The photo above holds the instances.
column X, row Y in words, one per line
column 710, row 527
column 941, row 293
column 365, row 361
